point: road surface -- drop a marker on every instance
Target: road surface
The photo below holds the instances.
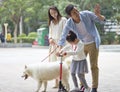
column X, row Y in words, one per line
column 13, row 60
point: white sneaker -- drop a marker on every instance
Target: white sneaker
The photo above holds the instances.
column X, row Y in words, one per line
column 75, row 89
column 87, row 89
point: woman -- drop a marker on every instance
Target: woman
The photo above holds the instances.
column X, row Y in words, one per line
column 56, row 24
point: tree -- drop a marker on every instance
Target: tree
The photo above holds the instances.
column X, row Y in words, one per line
column 13, row 10
column 35, row 12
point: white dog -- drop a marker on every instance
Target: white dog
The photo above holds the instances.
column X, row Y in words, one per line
column 68, row 60
column 46, row 71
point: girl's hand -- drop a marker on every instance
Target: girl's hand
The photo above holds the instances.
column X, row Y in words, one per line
column 64, row 54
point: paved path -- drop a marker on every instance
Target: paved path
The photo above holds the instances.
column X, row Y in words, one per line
column 12, row 61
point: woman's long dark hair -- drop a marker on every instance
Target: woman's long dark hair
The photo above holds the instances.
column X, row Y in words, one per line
column 50, row 17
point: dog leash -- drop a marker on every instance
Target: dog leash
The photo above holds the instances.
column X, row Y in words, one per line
column 50, row 54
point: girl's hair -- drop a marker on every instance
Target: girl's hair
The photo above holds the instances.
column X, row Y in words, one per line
column 68, row 9
column 71, row 36
column 50, row 17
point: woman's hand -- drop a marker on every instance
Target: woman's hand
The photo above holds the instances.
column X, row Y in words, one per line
column 51, row 41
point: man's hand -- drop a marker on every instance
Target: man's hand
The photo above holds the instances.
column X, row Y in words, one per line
column 97, row 9
column 58, row 54
column 98, row 13
column 61, row 54
column 59, row 51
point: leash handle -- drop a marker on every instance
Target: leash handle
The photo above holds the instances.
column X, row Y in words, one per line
column 49, row 54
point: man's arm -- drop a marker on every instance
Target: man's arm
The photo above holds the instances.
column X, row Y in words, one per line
column 62, row 40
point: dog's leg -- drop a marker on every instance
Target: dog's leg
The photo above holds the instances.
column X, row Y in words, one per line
column 65, row 81
column 39, row 86
column 45, row 86
column 66, row 85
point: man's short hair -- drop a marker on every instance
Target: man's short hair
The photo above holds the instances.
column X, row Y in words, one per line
column 68, row 9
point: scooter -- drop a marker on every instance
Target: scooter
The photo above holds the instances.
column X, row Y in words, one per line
column 61, row 87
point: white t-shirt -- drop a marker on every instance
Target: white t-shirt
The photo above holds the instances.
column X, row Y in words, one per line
column 86, row 37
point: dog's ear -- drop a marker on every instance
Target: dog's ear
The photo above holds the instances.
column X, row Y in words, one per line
column 25, row 66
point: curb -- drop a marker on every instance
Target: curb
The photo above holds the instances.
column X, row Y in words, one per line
column 17, row 45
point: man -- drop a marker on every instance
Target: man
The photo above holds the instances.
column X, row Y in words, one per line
column 83, row 24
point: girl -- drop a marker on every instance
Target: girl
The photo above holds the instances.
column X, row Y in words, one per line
column 79, row 63
column 56, row 24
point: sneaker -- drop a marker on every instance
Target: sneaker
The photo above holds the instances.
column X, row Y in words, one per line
column 94, row 90
column 87, row 89
column 75, row 90
column 82, row 89
column 55, row 87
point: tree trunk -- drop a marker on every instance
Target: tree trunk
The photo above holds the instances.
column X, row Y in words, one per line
column 15, row 33
column 20, row 27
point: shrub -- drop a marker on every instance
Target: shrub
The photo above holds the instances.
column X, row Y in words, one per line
column 27, row 39
column 22, row 35
column 32, row 34
column 108, row 38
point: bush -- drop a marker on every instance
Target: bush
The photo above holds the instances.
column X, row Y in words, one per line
column 22, row 35
column 108, row 38
column 32, row 34
column 118, row 39
column 104, row 40
column 27, row 39
column 118, row 18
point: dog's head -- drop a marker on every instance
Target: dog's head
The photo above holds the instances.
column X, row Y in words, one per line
column 26, row 73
